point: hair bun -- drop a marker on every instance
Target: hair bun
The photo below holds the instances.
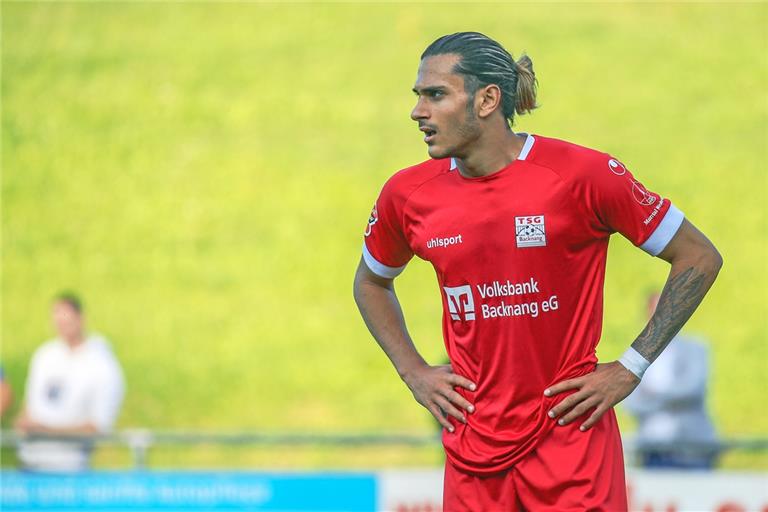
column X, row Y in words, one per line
column 525, row 95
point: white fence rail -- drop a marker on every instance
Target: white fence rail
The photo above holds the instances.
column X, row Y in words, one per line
column 140, row 441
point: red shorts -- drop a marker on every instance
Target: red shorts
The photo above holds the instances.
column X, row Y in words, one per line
column 569, row 470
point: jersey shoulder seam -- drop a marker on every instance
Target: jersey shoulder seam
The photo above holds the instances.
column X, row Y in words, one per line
column 568, row 186
column 439, row 174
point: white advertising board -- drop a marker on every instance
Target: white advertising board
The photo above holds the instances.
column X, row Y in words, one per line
column 647, row 491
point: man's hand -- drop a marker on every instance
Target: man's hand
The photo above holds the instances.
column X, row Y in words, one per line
column 24, row 425
column 600, row 390
column 433, row 387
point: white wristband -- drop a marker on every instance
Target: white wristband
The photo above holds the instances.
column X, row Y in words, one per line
column 634, row 362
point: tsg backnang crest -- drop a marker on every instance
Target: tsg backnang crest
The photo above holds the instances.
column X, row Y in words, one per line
column 530, row 232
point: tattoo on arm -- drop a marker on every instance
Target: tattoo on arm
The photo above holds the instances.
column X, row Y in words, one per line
column 681, row 296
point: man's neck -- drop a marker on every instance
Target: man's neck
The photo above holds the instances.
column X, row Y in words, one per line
column 491, row 153
column 75, row 341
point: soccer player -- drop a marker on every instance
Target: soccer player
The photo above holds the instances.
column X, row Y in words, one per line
column 517, row 228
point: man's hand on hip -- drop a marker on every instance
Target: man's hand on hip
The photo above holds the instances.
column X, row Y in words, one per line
column 433, row 387
column 600, row 390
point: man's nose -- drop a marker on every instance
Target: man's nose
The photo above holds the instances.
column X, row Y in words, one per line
column 419, row 111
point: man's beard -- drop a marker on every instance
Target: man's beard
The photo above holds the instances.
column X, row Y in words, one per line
column 468, row 132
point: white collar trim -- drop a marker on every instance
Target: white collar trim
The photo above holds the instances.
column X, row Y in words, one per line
column 527, row 145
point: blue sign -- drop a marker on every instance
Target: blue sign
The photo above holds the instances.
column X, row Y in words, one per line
column 189, row 491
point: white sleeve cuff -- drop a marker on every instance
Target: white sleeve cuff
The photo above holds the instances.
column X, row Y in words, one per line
column 633, row 361
column 378, row 268
column 664, row 231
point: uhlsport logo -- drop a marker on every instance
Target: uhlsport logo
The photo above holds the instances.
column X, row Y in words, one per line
column 372, row 220
column 530, row 232
column 616, row 167
column 444, row 241
column 461, row 305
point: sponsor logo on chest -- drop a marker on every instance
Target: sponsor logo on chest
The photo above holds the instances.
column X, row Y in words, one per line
column 517, row 299
column 460, row 302
column 530, row 231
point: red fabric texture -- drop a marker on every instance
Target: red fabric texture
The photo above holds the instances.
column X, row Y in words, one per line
column 568, row 471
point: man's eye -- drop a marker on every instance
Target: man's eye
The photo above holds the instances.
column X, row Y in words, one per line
column 436, row 94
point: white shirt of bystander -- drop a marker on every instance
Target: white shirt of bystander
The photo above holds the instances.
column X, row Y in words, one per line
column 670, row 401
column 70, row 387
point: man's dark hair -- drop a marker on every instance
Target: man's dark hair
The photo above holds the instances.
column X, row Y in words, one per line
column 70, row 299
column 482, row 62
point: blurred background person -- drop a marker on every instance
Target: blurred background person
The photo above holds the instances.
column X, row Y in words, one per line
column 6, row 395
column 670, row 406
column 75, row 387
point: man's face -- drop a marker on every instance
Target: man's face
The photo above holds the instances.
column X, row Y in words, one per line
column 443, row 110
column 67, row 321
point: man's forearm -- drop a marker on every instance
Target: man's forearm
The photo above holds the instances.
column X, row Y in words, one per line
column 434, row 387
column 25, row 424
column 383, row 316
column 684, row 290
column 85, row 429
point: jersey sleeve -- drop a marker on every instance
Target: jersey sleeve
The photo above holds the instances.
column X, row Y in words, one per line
column 621, row 203
column 385, row 247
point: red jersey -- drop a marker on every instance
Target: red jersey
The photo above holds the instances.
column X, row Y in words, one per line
column 520, row 259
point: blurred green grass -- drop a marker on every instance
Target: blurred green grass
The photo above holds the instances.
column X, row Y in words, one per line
column 202, row 173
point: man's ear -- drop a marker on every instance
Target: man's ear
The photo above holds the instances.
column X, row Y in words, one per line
column 487, row 100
